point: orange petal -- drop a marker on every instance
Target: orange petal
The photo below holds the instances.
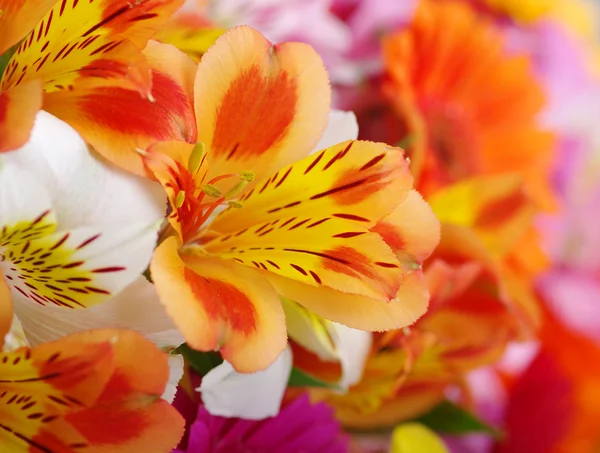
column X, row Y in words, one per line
column 412, row 230
column 18, row 108
column 80, row 40
column 51, row 394
column 18, row 17
column 6, row 309
column 219, row 304
column 355, row 180
column 360, row 312
column 131, row 399
column 117, row 121
column 259, row 106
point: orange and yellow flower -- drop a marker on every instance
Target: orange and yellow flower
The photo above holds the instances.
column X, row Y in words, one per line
column 69, row 58
column 439, row 71
column 98, row 390
column 468, row 107
column 470, row 321
column 302, row 230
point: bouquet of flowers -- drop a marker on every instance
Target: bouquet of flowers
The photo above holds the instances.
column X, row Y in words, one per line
column 301, row 226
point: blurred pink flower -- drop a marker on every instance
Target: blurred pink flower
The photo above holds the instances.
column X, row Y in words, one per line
column 368, row 21
column 346, row 33
column 300, row 427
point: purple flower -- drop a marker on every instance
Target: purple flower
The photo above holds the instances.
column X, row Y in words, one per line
column 300, row 427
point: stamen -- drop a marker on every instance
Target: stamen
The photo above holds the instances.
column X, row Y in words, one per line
column 247, row 176
column 235, row 190
column 211, row 191
column 220, row 178
column 235, row 204
column 179, row 199
column 195, row 160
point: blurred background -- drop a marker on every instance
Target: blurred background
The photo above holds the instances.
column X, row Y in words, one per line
column 497, row 104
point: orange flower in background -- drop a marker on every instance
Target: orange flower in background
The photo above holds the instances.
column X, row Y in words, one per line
column 70, row 58
column 97, row 391
column 469, row 112
column 301, row 230
column 468, row 325
column 467, row 106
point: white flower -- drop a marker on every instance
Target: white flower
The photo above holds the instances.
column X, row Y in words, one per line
column 75, row 236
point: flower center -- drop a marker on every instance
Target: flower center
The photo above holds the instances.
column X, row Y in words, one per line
column 193, row 199
column 46, row 267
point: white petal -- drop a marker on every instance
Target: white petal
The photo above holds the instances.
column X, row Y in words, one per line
column 309, row 330
column 22, row 197
column 85, row 190
column 175, row 375
column 137, row 307
column 353, row 347
column 342, row 126
column 255, row 396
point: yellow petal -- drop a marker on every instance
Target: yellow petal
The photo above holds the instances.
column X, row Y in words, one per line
column 416, row 438
column 356, row 180
column 496, row 207
column 82, row 40
column 360, row 312
column 319, row 251
column 190, row 33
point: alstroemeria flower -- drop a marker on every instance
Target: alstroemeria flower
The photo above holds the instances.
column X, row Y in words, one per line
column 60, row 53
column 74, row 231
column 97, row 391
column 468, row 325
column 301, row 230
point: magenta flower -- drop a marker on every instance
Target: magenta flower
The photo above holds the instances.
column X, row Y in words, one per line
column 300, row 427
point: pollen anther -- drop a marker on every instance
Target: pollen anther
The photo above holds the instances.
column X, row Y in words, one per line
column 211, row 191
column 247, row 176
column 196, row 156
column 180, row 199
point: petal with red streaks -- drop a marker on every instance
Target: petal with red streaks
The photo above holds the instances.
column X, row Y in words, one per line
column 355, row 180
column 318, row 251
column 259, row 106
column 80, row 40
column 220, row 304
column 117, row 121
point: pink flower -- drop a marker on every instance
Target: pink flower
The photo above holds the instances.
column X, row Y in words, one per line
column 300, row 427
